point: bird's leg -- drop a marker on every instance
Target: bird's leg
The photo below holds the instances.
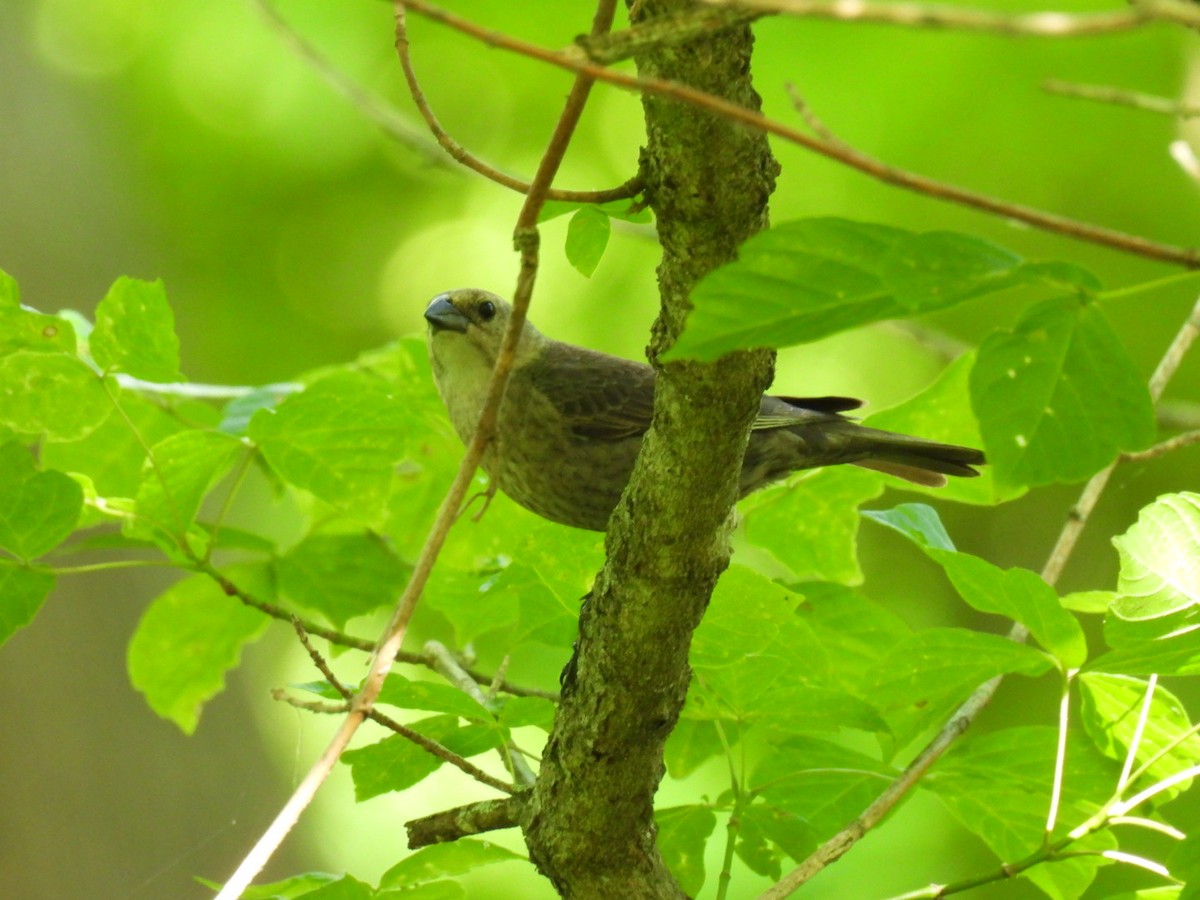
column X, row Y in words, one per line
column 487, row 494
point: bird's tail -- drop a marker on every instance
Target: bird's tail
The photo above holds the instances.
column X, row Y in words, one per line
column 916, row 460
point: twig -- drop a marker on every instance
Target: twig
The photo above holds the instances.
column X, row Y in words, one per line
column 463, row 821
column 448, row 667
column 463, row 156
column 347, row 640
column 1120, row 97
column 203, row 391
column 370, row 105
column 1162, row 449
column 669, row 31
column 427, row 744
column 934, row 15
column 575, row 60
column 393, row 635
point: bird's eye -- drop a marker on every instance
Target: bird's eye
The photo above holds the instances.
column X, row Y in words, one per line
column 487, row 309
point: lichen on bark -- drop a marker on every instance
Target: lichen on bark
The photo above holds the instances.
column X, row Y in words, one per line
column 590, row 825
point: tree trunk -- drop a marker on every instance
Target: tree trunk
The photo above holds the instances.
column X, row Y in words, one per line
column 590, row 825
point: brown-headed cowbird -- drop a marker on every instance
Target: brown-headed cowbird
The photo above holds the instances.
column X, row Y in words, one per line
column 572, row 419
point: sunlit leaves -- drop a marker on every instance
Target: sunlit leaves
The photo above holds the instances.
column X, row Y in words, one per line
column 38, row 513
column 1112, row 709
column 188, row 638
column 810, row 525
column 341, row 575
column 1058, row 397
column 587, row 236
column 180, row 471
column 1016, row 593
column 806, row 279
column 396, row 763
column 51, row 394
column 682, row 833
column 22, row 592
column 135, row 331
column 338, row 439
column 1153, row 624
column 444, row 861
column 1160, row 559
column 998, row 786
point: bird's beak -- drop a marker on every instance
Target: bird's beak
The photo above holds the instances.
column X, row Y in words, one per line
column 442, row 315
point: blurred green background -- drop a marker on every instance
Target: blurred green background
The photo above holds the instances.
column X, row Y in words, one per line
column 187, row 141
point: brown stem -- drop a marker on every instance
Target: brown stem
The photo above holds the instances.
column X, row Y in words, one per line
column 840, row 152
column 460, row 154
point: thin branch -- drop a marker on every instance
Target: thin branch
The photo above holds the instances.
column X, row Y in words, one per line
column 464, row 821
column 1136, row 740
column 933, row 15
column 1121, row 97
column 370, row 105
column 460, row 154
column 1060, row 752
column 448, row 667
column 203, row 391
column 575, row 60
column 664, row 31
column 342, row 639
column 390, row 641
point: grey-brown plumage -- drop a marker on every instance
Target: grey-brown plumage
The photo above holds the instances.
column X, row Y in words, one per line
column 572, row 419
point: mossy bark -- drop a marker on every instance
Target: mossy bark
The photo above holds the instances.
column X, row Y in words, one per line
column 590, row 825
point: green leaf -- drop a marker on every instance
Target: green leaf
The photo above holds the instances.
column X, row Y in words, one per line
column 432, row 697
column 1089, row 601
column 1160, row 559
column 39, row 512
column 339, row 439
column 942, row 412
column 113, row 454
column 445, row 860
column 341, row 576
column 587, row 237
column 825, row 784
column 926, row 677
column 345, row 888
column 1185, row 864
column 998, row 786
column 682, row 833
column 1172, row 655
column 10, row 293
column 1057, row 397
column 918, row 522
column 1111, row 707
column 525, row 712
column 287, row 889
column 693, row 742
column 22, row 593
column 396, row 763
column 810, row 524
column 785, row 830
column 629, row 210
column 23, row 329
column 1017, row 593
column 51, row 394
column 810, row 278
column 1022, row 596
column 854, row 631
column 182, row 469
column 188, row 638
column 135, row 331
column 758, row 663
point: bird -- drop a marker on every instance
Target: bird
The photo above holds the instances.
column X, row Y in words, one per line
column 571, row 420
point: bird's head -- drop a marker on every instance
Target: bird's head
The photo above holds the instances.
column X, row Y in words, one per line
column 471, row 322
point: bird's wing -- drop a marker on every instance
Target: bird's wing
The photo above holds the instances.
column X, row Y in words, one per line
column 601, row 397
column 785, row 412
